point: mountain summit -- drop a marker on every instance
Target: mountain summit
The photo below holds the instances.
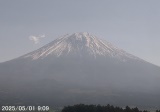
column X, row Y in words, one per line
column 79, row 68
column 79, row 45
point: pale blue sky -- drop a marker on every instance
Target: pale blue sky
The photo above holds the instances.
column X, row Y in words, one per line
column 133, row 25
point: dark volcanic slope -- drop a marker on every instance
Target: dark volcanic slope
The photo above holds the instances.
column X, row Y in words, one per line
column 79, row 68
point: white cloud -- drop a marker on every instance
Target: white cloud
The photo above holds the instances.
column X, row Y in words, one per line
column 36, row 39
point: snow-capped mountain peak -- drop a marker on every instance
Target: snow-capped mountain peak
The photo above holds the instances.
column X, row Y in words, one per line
column 79, row 44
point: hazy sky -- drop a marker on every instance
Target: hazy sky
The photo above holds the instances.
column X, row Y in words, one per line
column 133, row 25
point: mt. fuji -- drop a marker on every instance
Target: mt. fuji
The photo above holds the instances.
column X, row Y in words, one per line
column 79, row 68
column 79, row 44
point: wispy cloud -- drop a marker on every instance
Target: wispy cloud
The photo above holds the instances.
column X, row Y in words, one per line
column 36, row 39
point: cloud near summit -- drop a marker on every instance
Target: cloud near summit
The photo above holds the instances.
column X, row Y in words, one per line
column 36, row 39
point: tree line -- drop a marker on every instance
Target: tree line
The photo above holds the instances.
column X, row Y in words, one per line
column 99, row 108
